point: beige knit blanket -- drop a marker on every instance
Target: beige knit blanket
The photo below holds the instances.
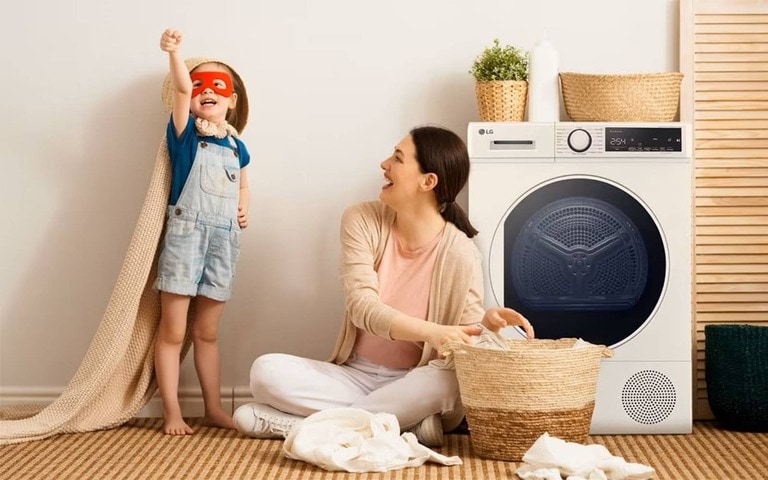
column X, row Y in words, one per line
column 115, row 379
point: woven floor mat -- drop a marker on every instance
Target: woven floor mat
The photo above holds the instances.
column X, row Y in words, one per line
column 138, row 450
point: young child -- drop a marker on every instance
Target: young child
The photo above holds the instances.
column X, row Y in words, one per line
column 207, row 208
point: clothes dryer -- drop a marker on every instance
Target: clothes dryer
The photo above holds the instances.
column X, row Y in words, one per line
column 585, row 228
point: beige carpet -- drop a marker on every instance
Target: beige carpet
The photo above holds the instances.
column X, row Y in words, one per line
column 138, row 450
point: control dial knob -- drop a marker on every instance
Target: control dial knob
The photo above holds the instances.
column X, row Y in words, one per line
column 579, row 140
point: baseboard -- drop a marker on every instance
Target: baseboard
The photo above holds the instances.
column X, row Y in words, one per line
column 241, row 396
column 23, row 395
column 190, row 399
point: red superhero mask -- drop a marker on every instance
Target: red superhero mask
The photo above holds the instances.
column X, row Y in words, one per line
column 219, row 82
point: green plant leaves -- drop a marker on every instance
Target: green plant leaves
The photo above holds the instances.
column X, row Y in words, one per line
column 500, row 63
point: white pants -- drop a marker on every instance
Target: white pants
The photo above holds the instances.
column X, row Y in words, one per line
column 302, row 386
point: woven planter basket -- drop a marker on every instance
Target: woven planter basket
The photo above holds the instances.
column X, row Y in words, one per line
column 736, row 366
column 644, row 97
column 511, row 397
column 501, row 101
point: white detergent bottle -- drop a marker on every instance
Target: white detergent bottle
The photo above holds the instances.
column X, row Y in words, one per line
column 543, row 84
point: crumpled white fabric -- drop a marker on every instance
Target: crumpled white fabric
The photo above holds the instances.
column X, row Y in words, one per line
column 357, row 441
column 551, row 458
column 489, row 339
column 486, row 339
column 495, row 341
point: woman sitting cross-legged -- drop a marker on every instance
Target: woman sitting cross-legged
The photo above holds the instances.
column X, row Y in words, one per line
column 412, row 281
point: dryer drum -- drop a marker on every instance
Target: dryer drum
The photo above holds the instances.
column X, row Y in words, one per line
column 579, row 253
column 583, row 258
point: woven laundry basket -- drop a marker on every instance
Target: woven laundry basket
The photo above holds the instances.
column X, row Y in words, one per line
column 511, row 397
column 642, row 97
column 736, row 368
column 501, row 100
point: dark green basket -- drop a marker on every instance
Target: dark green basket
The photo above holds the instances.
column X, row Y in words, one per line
column 736, row 362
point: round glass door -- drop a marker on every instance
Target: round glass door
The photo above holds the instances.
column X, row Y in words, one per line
column 583, row 258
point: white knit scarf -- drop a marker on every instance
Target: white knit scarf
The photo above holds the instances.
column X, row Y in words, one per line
column 210, row 129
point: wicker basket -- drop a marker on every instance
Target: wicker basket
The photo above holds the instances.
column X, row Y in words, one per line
column 645, row 97
column 501, row 101
column 736, row 366
column 511, row 397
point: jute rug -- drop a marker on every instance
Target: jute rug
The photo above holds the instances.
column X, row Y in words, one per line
column 137, row 450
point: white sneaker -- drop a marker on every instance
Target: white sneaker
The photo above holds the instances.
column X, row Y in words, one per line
column 429, row 431
column 262, row 421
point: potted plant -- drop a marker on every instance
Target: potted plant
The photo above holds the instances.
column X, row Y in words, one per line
column 501, row 75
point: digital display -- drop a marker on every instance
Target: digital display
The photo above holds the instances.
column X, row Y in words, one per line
column 643, row 139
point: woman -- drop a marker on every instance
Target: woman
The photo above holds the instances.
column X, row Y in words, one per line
column 412, row 281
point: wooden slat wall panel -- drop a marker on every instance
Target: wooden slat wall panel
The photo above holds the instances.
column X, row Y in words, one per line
column 724, row 55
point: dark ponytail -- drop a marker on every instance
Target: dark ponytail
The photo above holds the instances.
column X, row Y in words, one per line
column 442, row 152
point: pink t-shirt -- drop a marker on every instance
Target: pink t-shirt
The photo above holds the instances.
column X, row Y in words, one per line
column 405, row 278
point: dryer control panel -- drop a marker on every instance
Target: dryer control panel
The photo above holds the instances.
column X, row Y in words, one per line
column 578, row 142
column 621, row 139
column 643, row 139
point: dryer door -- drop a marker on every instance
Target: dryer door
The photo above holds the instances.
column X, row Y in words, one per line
column 583, row 258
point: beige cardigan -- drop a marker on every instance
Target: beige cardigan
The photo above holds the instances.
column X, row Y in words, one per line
column 455, row 297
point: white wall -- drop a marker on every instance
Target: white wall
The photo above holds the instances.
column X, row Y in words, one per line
column 333, row 85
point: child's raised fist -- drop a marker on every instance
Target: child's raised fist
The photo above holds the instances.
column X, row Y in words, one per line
column 170, row 40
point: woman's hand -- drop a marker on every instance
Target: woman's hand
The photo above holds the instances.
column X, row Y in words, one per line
column 438, row 335
column 497, row 318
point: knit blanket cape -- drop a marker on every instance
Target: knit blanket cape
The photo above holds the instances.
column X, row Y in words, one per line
column 116, row 377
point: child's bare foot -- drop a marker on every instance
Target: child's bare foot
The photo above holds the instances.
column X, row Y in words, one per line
column 176, row 426
column 219, row 418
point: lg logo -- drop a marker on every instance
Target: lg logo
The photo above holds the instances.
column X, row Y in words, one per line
column 483, row 131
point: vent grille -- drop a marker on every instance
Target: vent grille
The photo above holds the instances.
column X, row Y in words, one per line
column 648, row 397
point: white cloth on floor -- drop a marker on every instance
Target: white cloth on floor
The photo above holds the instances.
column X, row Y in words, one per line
column 551, row 458
column 357, row 441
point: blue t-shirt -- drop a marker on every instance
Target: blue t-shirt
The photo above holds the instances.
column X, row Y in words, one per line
column 183, row 149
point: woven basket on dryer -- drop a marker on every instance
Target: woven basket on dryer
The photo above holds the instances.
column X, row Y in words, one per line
column 501, row 100
column 642, row 97
column 511, row 397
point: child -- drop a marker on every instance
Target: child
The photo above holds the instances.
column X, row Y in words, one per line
column 208, row 207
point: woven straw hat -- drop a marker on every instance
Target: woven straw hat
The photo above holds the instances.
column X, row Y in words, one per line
column 241, row 110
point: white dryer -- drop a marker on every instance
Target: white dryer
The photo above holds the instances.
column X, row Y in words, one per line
column 585, row 228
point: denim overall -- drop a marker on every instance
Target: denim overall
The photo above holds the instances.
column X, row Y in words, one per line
column 202, row 238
